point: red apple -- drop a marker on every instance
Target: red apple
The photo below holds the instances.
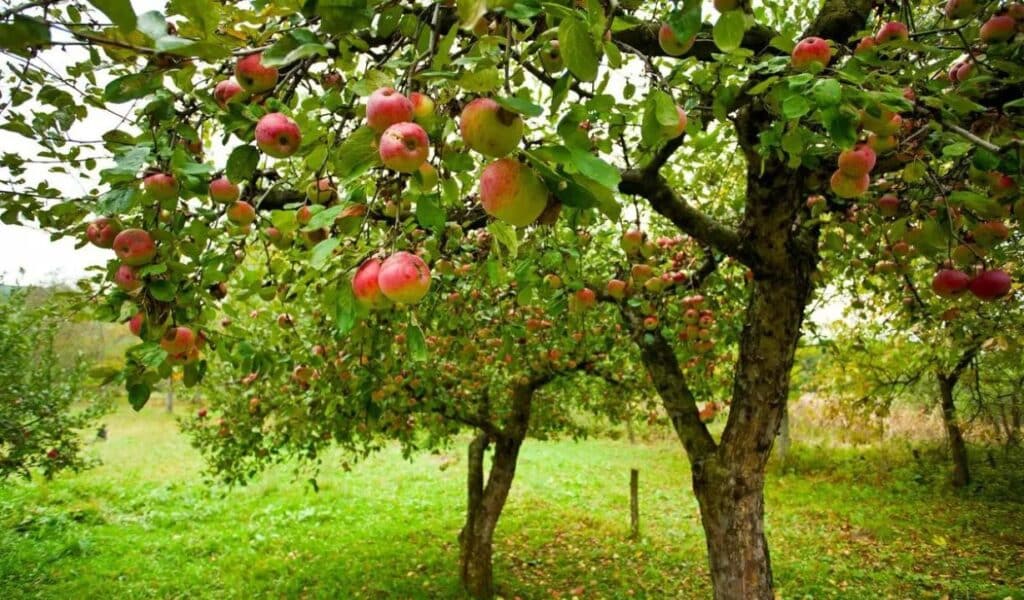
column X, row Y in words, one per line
column 616, row 288
column 365, row 287
column 278, row 135
column 961, row 71
column 489, row 128
column 889, row 205
column 422, row 107
column 991, row 285
column 1000, row 28
column 386, row 107
column 136, row 323
column 858, row 162
column 404, row 278
column 811, row 54
column 321, row 192
column 673, row 131
column 253, row 76
column 222, row 190
column 958, row 9
column 512, row 192
column 671, row 44
column 990, row 233
column 585, row 298
column 892, row 31
column 404, row 147
column 866, row 45
column 134, row 247
column 161, row 186
column 178, row 340
column 127, row 278
column 102, row 231
column 226, row 91
column 849, row 187
column 241, row 213
column 632, row 241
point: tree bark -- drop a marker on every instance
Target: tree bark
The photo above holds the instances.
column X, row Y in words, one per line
column 783, row 439
column 957, row 447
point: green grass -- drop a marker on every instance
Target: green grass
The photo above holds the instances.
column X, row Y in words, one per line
column 841, row 524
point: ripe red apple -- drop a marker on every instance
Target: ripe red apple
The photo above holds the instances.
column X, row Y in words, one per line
column 512, row 192
column 585, row 298
column 866, row 45
column 958, row 9
column 811, row 54
column 102, row 231
column 990, row 233
column 1002, row 186
column 991, row 285
column 616, row 288
column 673, row 131
column 365, row 287
column 1016, row 10
column 386, row 107
column 892, row 31
column 321, row 192
column 489, row 128
column 127, row 278
column 177, row 340
column 889, row 205
column 161, row 186
column 631, row 241
column 404, row 147
column 1000, row 28
column 134, row 247
column 253, row 76
column 222, row 190
column 226, row 91
column 136, row 323
column 303, row 215
column 671, row 44
column 650, row 323
column 857, row 162
column 422, row 107
column 404, row 278
column 241, row 213
column 278, row 135
column 849, row 187
column 961, row 71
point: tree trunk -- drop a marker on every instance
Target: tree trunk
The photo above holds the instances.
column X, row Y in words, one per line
column 957, row 447
column 169, row 401
column 732, row 513
column 783, row 440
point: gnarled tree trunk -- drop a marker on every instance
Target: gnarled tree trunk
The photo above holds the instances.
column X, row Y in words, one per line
column 957, row 447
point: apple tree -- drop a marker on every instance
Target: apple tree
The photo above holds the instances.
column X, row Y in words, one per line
column 365, row 131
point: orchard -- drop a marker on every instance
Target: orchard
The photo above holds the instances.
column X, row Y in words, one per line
column 365, row 222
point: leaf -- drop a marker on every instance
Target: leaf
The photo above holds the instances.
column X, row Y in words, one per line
column 505, row 235
column 322, row 252
column 153, row 25
column 119, row 12
column 686, row 23
column 242, row 163
column 162, row 290
column 442, row 58
column 470, row 11
column 729, row 29
column 595, row 168
column 138, row 395
column 325, row 218
column 429, row 214
column 665, row 109
column 416, row 342
column 345, row 309
column 148, row 354
column 356, row 154
column 827, row 92
column 795, row 106
column 520, row 105
column 132, row 87
column 22, row 34
column 983, row 206
column 579, row 51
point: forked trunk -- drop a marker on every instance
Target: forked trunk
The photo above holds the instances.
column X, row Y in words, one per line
column 957, row 447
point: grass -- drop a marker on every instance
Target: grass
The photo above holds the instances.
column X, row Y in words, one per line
column 841, row 524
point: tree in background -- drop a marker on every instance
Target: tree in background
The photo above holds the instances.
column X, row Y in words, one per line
column 365, row 131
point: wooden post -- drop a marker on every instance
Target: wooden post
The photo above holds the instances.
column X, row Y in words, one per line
column 634, row 504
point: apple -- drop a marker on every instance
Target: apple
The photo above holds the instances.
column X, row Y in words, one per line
column 127, row 278
column 489, row 128
column 278, row 135
column 866, row 45
column 889, row 205
column 226, row 91
column 331, row 80
column 882, row 144
column 303, row 215
column 512, row 192
column 892, row 31
column 811, row 54
column 585, row 298
column 386, row 107
column 1016, row 10
column 241, row 213
column 631, row 241
column 857, row 162
column 404, row 147
column 958, row 9
column 991, row 285
column 427, row 176
column 365, row 286
column 177, row 340
column 961, row 71
column 102, row 231
column 422, row 107
column 321, row 192
column 651, row 323
column 990, row 233
column 136, row 322
column 222, row 190
column 1002, row 185
column 161, row 186
column 553, row 281
column 134, row 247
column 849, row 187
column 551, row 58
column 886, row 122
column 673, row 131
column 1000, row 28
column 253, row 76
column 616, row 288
column 670, row 44
column 404, row 278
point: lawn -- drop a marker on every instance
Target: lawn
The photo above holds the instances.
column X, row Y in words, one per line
column 842, row 523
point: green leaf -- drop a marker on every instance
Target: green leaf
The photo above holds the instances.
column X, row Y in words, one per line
column 595, row 168
column 153, row 25
column 827, row 92
column 442, row 58
column 148, row 354
column 345, row 309
column 520, row 105
column 956, row 150
column 578, row 49
column 416, row 342
column 119, row 12
column 356, row 154
column 138, row 395
column 505, row 235
column 470, row 11
column 132, row 87
column 729, row 29
column 665, row 108
column 795, row 106
column 322, row 252
column 481, row 80
column 983, row 206
column 686, row 23
column 325, row 218
column 429, row 213
column 242, row 163
column 162, row 290
column 22, row 34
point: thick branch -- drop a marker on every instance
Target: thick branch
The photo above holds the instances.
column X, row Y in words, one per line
column 644, row 38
